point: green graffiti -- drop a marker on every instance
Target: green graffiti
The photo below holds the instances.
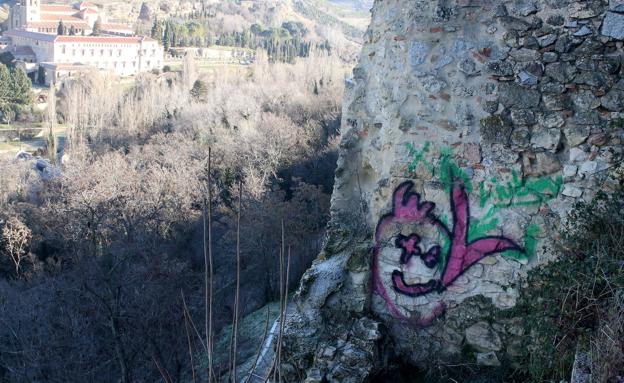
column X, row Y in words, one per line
column 447, row 170
column 419, row 157
column 520, row 192
column 501, row 195
column 480, row 227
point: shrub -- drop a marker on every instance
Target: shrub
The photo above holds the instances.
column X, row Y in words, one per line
column 578, row 300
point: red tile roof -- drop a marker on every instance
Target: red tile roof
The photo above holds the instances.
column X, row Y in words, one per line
column 102, row 39
column 116, row 26
column 54, row 24
column 31, row 35
column 57, row 8
column 55, row 17
column 78, row 39
column 85, row 4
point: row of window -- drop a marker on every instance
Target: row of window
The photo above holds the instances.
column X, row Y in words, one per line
column 116, row 64
column 102, row 52
column 54, row 30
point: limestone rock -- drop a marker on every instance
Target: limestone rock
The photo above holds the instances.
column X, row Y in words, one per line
column 586, row 100
column 576, row 135
column 614, row 100
column 572, row 191
column 616, row 6
column 515, row 96
column 523, row 117
column 556, row 102
column 569, row 170
column 546, row 139
column 521, row 101
column 488, row 359
column 540, row 164
column 613, row 26
column 495, row 129
column 483, row 338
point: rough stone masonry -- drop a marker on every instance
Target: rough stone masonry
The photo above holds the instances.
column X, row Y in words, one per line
column 470, row 128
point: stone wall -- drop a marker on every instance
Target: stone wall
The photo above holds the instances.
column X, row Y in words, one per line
column 470, row 129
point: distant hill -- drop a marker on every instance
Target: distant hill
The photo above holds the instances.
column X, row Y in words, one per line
column 340, row 23
column 4, row 13
column 357, row 5
column 349, row 16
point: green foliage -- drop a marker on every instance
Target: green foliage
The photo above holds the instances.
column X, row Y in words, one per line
column 564, row 302
column 282, row 43
column 20, row 88
column 41, row 77
column 15, row 92
column 199, row 90
column 97, row 28
column 157, row 31
column 5, row 81
column 7, row 58
column 60, row 30
column 167, row 37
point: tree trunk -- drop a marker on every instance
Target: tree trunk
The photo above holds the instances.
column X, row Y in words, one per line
column 119, row 350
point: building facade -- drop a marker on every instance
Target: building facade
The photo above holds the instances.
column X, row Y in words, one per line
column 122, row 55
column 34, row 40
column 78, row 19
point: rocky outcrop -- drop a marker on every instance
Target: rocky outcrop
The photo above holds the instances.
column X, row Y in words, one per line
column 470, row 129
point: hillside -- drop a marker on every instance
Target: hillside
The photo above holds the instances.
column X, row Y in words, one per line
column 357, row 5
column 348, row 16
column 4, row 13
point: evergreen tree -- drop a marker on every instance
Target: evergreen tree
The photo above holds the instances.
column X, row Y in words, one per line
column 7, row 59
column 51, row 120
column 7, row 113
column 60, row 30
column 5, row 81
column 41, row 75
column 15, row 92
column 167, row 37
column 20, row 87
column 72, row 31
column 157, row 31
column 199, row 90
column 97, row 28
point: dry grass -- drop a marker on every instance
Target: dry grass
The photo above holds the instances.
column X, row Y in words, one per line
column 607, row 344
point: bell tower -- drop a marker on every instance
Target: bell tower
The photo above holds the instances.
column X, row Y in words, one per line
column 23, row 12
column 32, row 10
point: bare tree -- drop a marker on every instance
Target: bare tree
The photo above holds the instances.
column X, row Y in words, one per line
column 50, row 120
column 15, row 237
column 189, row 71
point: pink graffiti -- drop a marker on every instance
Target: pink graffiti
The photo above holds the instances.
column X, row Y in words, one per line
column 461, row 255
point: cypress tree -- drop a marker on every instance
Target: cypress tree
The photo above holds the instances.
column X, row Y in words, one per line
column 97, row 28
column 5, row 82
column 157, row 32
column 199, row 90
column 20, row 87
column 167, row 37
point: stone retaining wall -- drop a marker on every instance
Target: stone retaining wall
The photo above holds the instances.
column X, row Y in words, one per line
column 470, row 129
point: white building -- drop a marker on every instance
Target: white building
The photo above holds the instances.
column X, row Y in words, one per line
column 122, row 55
column 32, row 16
column 64, row 55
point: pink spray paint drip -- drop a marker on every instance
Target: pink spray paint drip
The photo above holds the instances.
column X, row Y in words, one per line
column 408, row 208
